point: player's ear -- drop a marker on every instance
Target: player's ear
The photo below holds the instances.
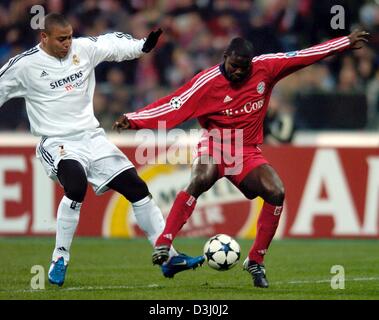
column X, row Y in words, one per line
column 44, row 37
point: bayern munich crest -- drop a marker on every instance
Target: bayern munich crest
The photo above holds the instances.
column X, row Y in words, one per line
column 261, row 87
column 175, row 103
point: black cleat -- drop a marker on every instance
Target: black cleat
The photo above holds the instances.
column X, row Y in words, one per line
column 258, row 273
column 160, row 254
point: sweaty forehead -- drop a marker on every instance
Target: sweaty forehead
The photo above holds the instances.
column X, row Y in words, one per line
column 239, row 60
column 60, row 31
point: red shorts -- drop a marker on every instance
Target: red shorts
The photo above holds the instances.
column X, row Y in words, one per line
column 232, row 164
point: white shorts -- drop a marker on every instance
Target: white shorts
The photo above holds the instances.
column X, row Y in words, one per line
column 101, row 159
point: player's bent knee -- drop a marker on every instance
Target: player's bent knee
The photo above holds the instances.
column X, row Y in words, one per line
column 130, row 185
column 250, row 196
column 141, row 191
column 75, row 189
column 78, row 192
column 73, row 179
column 199, row 185
column 276, row 196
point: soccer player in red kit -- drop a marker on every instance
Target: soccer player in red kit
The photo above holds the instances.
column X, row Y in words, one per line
column 231, row 100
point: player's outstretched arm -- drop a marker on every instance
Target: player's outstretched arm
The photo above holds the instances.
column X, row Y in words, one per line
column 118, row 46
column 12, row 79
column 282, row 64
column 189, row 101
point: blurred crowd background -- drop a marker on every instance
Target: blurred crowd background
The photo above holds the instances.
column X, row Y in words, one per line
column 339, row 93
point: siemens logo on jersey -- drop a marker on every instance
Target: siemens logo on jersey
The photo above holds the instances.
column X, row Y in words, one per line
column 69, row 79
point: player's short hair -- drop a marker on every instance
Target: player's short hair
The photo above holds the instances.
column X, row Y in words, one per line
column 54, row 19
column 240, row 47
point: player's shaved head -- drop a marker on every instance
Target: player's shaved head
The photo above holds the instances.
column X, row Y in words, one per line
column 55, row 19
column 56, row 38
column 240, row 47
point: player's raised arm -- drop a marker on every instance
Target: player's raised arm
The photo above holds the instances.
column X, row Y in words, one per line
column 118, row 46
column 188, row 102
column 11, row 79
column 283, row 64
column 172, row 109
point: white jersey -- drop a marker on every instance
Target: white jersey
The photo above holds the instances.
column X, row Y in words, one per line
column 59, row 92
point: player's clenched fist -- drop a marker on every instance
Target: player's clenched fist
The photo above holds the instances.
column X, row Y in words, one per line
column 122, row 123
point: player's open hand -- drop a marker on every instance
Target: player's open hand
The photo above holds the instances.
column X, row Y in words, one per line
column 151, row 40
column 122, row 123
column 358, row 38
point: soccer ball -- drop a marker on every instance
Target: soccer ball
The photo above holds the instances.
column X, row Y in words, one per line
column 222, row 252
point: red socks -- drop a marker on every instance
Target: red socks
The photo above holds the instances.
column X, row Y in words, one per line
column 267, row 224
column 181, row 210
column 184, row 205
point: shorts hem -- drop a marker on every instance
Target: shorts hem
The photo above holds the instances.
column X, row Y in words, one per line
column 244, row 173
column 103, row 188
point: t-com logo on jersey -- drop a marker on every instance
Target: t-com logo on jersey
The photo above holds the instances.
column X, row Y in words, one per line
column 68, row 81
column 248, row 107
column 253, row 106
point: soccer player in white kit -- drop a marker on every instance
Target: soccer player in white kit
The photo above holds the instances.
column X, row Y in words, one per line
column 57, row 80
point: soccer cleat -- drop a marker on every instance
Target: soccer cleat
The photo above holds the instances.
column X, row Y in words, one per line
column 160, row 254
column 57, row 272
column 257, row 271
column 180, row 263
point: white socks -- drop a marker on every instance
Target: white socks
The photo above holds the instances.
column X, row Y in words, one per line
column 150, row 219
column 67, row 221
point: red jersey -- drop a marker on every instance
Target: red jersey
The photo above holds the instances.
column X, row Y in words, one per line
column 219, row 104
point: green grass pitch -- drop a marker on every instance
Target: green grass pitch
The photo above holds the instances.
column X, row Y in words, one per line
column 122, row 269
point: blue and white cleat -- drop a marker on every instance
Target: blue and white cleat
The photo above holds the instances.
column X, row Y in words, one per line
column 180, row 263
column 57, row 272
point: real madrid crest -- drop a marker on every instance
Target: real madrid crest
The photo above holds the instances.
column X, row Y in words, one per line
column 75, row 60
column 261, row 87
